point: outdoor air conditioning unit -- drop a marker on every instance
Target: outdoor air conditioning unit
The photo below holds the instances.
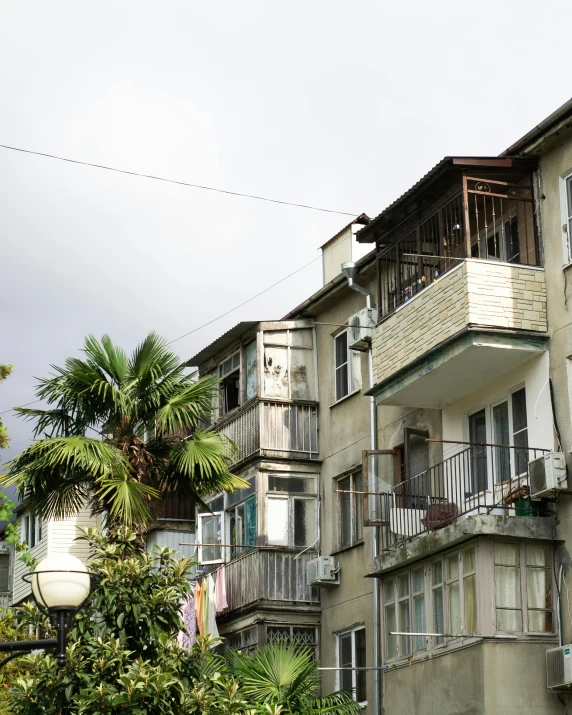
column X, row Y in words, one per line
column 547, row 474
column 361, row 325
column 322, row 571
column 559, row 668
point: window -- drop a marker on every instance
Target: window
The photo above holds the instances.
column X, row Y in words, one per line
column 566, row 205
column 241, row 521
column 503, row 423
column 209, row 537
column 347, row 366
column 350, row 509
column 289, row 370
column 251, row 369
column 291, row 515
column 4, row 572
column 439, row 597
column 229, row 375
column 31, row 530
column 305, row 636
column 523, row 588
column 245, row 640
column 352, row 655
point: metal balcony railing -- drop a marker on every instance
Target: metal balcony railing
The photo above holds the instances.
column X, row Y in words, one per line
column 478, row 479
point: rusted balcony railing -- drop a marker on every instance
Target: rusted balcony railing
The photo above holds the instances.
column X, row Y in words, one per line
column 273, row 427
column 269, row 575
column 479, row 479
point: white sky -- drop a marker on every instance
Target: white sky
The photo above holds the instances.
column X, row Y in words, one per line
column 337, row 104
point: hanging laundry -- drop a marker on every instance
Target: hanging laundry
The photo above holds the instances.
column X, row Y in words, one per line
column 221, row 602
column 186, row 637
column 199, row 606
column 209, row 607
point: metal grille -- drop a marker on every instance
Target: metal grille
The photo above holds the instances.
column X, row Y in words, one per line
column 537, row 475
column 292, row 635
column 245, row 640
column 555, row 667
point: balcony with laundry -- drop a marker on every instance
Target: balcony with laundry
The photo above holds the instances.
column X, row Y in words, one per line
column 460, row 281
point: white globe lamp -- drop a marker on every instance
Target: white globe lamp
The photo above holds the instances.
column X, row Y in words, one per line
column 60, row 582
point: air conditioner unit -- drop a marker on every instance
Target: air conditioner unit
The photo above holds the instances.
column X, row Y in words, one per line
column 361, row 328
column 547, row 474
column 322, row 571
column 559, row 668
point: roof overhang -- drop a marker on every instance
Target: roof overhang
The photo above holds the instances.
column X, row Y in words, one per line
column 221, row 343
column 434, row 184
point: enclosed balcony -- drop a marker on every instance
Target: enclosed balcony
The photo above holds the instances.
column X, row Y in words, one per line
column 459, row 281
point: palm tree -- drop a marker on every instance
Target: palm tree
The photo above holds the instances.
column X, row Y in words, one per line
column 121, row 433
column 287, row 676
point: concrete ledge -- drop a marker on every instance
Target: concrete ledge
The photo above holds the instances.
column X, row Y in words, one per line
column 467, row 527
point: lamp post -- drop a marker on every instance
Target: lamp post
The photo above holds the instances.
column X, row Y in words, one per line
column 61, row 585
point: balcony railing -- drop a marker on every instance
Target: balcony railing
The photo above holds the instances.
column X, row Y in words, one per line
column 273, row 427
column 482, row 218
column 269, row 575
column 479, row 479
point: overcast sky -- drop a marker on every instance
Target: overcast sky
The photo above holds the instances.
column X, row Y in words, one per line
column 336, row 104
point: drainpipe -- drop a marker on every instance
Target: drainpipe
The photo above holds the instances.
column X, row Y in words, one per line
column 349, row 270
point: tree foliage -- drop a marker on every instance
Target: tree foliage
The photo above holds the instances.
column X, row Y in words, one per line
column 5, row 370
column 148, row 408
column 123, row 655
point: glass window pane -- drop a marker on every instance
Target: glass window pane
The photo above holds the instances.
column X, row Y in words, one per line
column 404, row 625
column 478, row 435
column 437, row 572
column 355, row 370
column 302, row 374
column 345, row 502
column 277, row 521
column 438, row 614
column 341, row 345
column 507, row 587
column 360, row 662
column 389, row 590
column 419, row 622
column 251, row 370
column 509, row 620
column 390, row 641
column 454, row 609
column 470, row 596
column 538, row 555
column 540, row 621
column 276, row 379
column 519, row 410
column 250, row 518
column 539, row 588
column 302, row 338
column 211, row 534
column 501, row 436
column 345, row 658
column 358, row 484
column 276, row 337
column 453, row 566
column 507, row 554
column 419, row 580
column 304, row 522
column 341, row 382
column 292, row 485
column 403, row 582
column 469, row 560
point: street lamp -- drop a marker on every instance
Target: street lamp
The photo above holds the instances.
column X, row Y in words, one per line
column 61, row 585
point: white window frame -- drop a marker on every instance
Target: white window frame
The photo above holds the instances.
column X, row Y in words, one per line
column 566, row 216
column 353, row 361
column 200, row 529
column 31, row 531
column 222, row 411
column 356, row 509
column 292, row 499
column 352, row 633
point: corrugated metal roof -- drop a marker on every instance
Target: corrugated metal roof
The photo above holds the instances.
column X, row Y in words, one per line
column 222, row 342
column 367, row 234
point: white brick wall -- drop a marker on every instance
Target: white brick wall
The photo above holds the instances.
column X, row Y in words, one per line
column 478, row 293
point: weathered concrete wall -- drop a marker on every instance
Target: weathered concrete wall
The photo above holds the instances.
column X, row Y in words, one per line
column 487, row 678
column 483, row 293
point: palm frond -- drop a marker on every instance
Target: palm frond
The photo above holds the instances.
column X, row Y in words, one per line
column 107, row 357
column 183, row 406
column 339, row 703
column 128, row 499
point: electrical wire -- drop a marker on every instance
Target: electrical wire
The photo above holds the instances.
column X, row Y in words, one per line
column 174, row 181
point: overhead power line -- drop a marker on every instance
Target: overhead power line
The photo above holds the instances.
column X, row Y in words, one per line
column 174, row 181
column 214, row 320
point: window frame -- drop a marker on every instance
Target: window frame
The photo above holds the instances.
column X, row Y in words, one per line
column 353, row 362
column 31, row 530
column 291, row 499
column 222, row 410
column 566, row 216
column 354, row 673
column 356, row 508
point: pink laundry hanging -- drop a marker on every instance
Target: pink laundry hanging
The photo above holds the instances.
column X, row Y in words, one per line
column 221, row 602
